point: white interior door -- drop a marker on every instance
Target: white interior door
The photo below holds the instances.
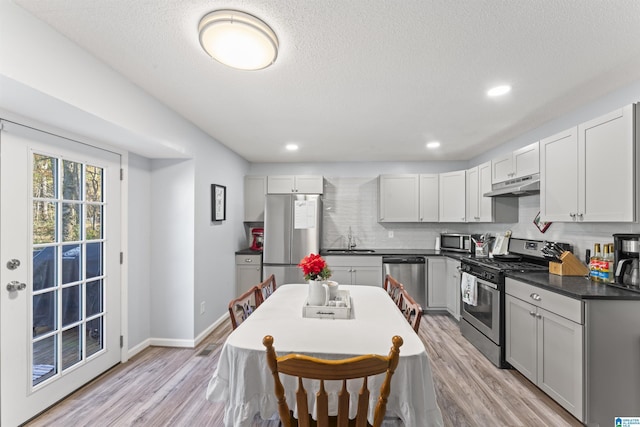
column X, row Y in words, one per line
column 59, row 268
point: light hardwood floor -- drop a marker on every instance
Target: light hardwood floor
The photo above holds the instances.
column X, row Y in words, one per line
column 166, row 387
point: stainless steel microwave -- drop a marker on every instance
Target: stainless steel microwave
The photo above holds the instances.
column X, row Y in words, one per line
column 455, row 242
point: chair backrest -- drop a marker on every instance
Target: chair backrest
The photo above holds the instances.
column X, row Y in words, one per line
column 266, row 288
column 394, row 289
column 302, row 366
column 411, row 310
column 241, row 307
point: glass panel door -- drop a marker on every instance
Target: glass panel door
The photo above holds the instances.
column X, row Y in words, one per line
column 67, row 295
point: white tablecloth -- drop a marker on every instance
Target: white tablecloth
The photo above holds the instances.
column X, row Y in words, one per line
column 244, row 383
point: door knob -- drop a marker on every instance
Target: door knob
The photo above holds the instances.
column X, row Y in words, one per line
column 12, row 264
column 14, row 286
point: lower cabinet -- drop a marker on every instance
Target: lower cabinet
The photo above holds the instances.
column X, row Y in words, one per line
column 436, row 283
column 248, row 272
column 356, row 270
column 453, row 287
column 544, row 342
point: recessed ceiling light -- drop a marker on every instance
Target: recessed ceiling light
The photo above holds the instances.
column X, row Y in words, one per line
column 238, row 39
column 433, row 144
column 291, row 147
column 499, row 90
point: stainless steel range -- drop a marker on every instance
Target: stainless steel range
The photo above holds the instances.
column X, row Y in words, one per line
column 483, row 324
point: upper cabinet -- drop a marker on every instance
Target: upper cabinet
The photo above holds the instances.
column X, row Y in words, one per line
column 408, row 198
column 398, row 198
column 588, row 172
column 522, row 162
column 452, row 196
column 287, row 184
column 429, row 197
column 487, row 209
column 255, row 188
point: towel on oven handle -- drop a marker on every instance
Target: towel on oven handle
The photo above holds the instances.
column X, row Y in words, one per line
column 469, row 288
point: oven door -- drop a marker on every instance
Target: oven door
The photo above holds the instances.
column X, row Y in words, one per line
column 485, row 316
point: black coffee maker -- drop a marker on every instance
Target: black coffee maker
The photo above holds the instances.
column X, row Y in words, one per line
column 626, row 251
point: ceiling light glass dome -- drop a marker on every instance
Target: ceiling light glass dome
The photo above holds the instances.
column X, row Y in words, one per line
column 238, row 39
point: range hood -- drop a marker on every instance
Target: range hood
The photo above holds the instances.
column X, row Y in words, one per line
column 517, row 187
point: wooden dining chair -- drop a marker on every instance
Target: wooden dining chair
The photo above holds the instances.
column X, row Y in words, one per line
column 302, row 366
column 394, row 289
column 266, row 288
column 241, row 307
column 411, row 310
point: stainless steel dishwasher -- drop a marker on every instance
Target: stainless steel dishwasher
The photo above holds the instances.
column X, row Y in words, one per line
column 411, row 271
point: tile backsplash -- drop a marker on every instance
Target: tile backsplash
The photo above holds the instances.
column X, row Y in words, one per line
column 353, row 202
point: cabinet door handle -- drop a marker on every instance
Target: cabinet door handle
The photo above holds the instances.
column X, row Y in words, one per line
column 572, row 215
column 539, row 316
column 580, row 216
column 535, row 297
column 532, row 313
column 248, row 260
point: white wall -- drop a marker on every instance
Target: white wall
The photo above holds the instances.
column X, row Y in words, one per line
column 216, row 242
column 139, row 256
column 353, row 169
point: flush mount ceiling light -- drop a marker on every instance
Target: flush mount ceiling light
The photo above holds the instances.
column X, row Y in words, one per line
column 291, row 147
column 238, row 40
column 499, row 90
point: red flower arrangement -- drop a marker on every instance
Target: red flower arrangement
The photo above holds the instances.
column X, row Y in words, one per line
column 314, row 267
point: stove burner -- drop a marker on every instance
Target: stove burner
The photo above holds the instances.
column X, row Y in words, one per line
column 507, row 265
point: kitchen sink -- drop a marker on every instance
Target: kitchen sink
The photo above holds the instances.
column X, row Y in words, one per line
column 349, row 251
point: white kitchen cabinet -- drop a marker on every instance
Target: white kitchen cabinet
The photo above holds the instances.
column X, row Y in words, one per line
column 452, row 196
column 429, row 197
column 453, row 287
column 544, row 341
column 248, row 272
column 399, row 197
column 255, row 188
column 487, row 209
column 355, row 269
column 287, row 184
column 436, row 283
column 472, row 189
column 408, row 198
column 522, row 162
column 559, row 176
column 606, row 164
column 587, row 172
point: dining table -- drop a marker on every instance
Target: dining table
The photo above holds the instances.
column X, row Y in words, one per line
column 243, row 382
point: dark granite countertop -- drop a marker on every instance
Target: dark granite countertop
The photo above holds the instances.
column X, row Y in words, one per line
column 576, row 287
column 248, row 251
column 399, row 252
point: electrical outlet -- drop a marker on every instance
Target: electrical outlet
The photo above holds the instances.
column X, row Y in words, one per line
column 202, row 307
column 391, row 234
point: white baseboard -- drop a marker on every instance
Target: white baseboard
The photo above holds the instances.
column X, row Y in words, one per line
column 210, row 329
column 137, row 349
column 178, row 343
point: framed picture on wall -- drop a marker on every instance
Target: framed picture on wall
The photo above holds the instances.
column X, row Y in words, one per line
column 218, row 202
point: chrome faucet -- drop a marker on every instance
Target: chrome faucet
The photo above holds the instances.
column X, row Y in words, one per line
column 351, row 240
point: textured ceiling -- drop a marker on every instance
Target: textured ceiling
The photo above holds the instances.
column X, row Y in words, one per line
column 367, row 80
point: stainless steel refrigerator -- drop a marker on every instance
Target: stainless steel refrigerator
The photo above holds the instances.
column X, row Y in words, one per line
column 292, row 224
